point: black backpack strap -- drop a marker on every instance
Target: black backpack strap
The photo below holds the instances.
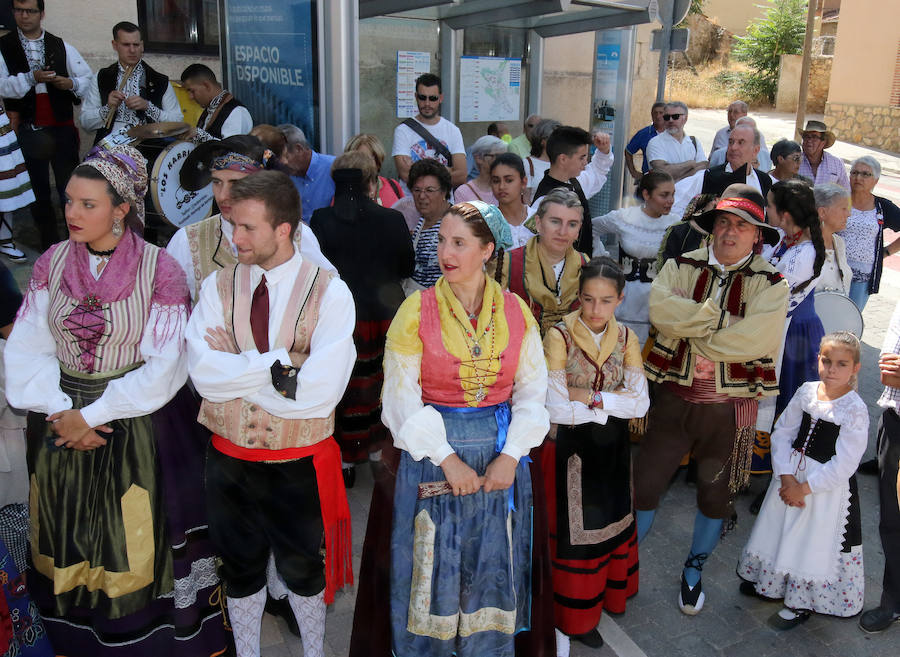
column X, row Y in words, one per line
column 430, row 139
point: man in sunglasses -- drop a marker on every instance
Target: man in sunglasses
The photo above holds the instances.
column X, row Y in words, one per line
column 673, row 151
column 429, row 135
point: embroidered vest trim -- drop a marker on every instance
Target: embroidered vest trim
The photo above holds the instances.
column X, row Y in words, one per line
column 246, row 424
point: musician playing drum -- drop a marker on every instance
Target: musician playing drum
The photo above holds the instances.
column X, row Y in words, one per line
column 128, row 92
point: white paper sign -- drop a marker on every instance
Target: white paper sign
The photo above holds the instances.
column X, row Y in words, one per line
column 410, row 65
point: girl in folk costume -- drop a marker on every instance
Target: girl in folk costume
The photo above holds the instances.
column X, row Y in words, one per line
column 121, row 566
column 596, row 383
column 464, row 392
column 806, row 544
column 640, row 231
column 545, row 271
column 508, row 182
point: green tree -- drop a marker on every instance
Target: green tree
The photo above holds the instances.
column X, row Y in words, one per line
column 779, row 32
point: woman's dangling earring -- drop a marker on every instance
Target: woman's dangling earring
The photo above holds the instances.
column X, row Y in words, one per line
column 117, row 228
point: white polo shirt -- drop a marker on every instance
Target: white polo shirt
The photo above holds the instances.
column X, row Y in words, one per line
column 668, row 149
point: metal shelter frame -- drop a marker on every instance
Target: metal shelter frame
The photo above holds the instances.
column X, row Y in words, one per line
column 338, row 25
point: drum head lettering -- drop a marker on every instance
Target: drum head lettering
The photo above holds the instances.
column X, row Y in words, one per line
column 177, row 205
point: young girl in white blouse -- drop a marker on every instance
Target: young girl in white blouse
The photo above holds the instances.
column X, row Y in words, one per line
column 806, row 545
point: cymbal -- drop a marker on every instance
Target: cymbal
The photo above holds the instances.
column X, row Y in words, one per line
column 159, row 130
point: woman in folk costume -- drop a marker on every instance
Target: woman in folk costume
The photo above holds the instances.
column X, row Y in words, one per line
column 596, row 384
column 464, row 393
column 639, row 230
column 799, row 258
column 806, row 544
column 121, row 564
column 545, row 271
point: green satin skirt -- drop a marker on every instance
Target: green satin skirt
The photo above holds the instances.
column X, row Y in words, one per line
column 97, row 527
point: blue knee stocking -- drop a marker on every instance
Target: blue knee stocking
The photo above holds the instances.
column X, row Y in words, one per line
column 644, row 521
column 706, row 536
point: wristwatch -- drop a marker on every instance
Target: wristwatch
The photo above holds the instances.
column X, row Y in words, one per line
column 596, row 400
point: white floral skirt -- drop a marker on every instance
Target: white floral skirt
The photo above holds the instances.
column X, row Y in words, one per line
column 811, row 556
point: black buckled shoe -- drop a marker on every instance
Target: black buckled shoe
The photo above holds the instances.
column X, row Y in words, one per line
column 877, row 620
column 788, row 619
column 282, row 609
column 591, row 639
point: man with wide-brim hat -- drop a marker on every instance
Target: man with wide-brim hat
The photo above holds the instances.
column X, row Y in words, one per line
column 207, row 246
column 714, row 309
column 816, row 164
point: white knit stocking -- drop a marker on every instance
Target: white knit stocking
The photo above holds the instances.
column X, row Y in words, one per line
column 246, row 621
column 310, row 615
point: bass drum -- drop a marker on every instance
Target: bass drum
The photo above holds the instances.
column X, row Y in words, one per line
column 175, row 204
column 838, row 313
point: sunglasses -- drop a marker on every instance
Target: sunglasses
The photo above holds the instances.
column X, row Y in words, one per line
column 672, row 117
column 432, row 99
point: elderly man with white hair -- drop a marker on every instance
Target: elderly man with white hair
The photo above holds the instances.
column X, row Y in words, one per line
column 763, row 161
column 673, row 151
column 864, row 234
column 479, row 189
column 309, row 171
column 743, row 150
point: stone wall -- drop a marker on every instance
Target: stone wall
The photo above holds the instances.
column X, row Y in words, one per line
column 819, row 81
column 866, row 125
column 789, row 83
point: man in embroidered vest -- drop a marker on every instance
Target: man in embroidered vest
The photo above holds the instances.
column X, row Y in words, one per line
column 207, row 246
column 718, row 311
column 270, row 350
column 41, row 78
column 129, row 88
column 223, row 114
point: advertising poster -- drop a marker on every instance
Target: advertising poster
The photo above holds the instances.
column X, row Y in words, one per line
column 272, row 62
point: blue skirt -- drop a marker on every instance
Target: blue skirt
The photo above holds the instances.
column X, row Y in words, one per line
column 801, row 350
column 460, row 566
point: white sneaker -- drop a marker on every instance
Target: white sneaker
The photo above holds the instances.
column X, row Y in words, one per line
column 8, row 248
